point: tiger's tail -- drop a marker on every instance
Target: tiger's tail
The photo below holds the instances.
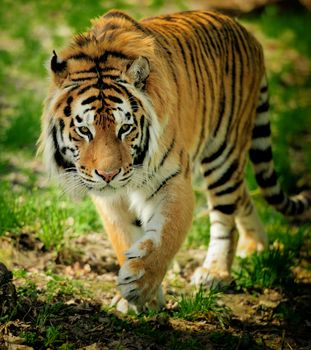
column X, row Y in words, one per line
column 260, row 153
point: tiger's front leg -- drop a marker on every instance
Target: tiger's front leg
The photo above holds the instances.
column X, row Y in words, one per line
column 166, row 215
column 123, row 229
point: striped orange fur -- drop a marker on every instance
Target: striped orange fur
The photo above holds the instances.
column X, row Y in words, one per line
column 133, row 107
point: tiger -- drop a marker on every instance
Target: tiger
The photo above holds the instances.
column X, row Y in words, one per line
column 133, row 109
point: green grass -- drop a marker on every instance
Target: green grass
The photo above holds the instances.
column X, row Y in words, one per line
column 59, row 287
column 46, row 214
column 269, row 269
column 202, row 304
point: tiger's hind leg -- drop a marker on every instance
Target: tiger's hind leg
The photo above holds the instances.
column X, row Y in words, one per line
column 231, row 210
column 252, row 236
column 223, row 173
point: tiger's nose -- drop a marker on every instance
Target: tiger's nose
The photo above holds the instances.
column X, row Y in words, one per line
column 107, row 175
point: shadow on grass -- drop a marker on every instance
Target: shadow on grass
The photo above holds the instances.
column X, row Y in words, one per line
column 69, row 325
column 73, row 323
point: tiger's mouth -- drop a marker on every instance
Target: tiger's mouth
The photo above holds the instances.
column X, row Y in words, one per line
column 102, row 186
column 78, row 183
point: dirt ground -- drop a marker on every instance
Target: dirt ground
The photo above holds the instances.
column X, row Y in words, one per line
column 257, row 319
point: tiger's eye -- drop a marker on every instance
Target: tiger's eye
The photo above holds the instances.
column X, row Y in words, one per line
column 84, row 130
column 124, row 128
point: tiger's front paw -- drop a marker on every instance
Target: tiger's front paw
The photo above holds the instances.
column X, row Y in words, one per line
column 138, row 278
column 124, row 306
column 132, row 281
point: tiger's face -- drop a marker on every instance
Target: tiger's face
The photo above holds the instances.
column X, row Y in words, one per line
column 101, row 126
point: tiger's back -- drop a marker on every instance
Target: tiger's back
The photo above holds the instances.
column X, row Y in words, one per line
column 133, row 107
column 215, row 68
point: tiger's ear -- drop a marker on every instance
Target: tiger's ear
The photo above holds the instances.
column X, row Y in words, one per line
column 138, row 71
column 58, row 66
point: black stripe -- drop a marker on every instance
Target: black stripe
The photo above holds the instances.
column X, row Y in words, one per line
column 89, row 109
column 67, row 111
column 142, row 151
column 209, row 27
column 199, row 71
column 90, row 100
column 114, row 99
column 261, row 131
column 228, row 209
column 208, row 172
column 230, row 189
column 101, row 85
column 191, row 50
column 239, row 89
column 83, row 79
column 275, row 199
column 86, row 88
column 264, row 107
column 134, row 105
column 233, row 82
column 222, row 107
column 299, row 207
column 164, row 182
column 78, row 119
column 208, row 42
column 215, row 155
column 62, row 127
column 112, row 77
column 80, row 56
column 115, row 88
column 102, row 58
column 264, row 89
column 226, row 176
column 260, row 156
column 93, row 69
column 183, row 56
column 60, row 161
column 171, row 64
column 168, row 151
column 116, row 54
column 265, row 182
column 243, row 40
column 187, row 170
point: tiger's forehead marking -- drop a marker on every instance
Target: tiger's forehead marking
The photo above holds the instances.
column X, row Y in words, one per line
column 96, row 112
column 86, row 112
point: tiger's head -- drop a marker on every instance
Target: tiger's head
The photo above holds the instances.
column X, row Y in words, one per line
column 99, row 124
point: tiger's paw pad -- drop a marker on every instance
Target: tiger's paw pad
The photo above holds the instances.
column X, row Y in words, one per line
column 204, row 277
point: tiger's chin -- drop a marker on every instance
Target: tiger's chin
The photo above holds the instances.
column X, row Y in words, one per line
column 108, row 190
